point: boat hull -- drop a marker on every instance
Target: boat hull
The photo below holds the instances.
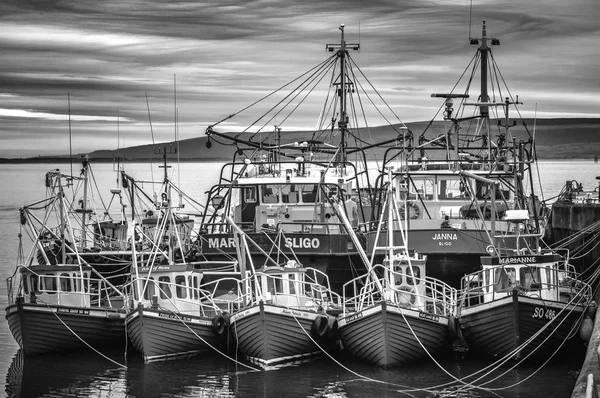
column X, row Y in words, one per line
column 381, row 334
column 41, row 328
column 498, row 328
column 272, row 335
column 332, row 254
column 158, row 335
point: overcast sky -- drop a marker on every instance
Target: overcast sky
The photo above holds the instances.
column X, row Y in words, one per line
column 223, row 55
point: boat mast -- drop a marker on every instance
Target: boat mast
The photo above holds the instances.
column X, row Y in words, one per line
column 342, row 53
column 484, row 112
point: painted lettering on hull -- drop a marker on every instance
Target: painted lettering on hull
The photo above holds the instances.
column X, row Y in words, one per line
column 290, row 242
column 221, row 243
column 303, row 243
column 446, row 236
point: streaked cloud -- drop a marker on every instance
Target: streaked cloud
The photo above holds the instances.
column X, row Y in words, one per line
column 212, row 58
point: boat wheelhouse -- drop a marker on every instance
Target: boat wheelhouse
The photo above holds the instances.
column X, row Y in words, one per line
column 522, row 304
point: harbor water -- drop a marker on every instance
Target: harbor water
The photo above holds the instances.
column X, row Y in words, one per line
column 115, row 374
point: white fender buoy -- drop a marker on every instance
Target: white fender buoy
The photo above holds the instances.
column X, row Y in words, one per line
column 586, row 328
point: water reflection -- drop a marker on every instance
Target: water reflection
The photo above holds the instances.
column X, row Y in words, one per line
column 85, row 374
column 186, row 377
column 60, row 375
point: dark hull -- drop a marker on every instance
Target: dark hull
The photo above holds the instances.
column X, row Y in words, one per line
column 496, row 329
column 271, row 335
column 38, row 329
column 380, row 335
column 159, row 335
column 332, row 254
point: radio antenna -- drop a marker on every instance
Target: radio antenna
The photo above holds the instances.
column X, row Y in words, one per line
column 470, row 16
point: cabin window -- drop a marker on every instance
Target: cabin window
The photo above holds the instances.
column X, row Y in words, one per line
column 308, row 193
column 452, row 190
column 48, row 283
column 180, row 286
column 150, row 290
column 549, row 279
column 420, row 190
column 164, row 283
column 270, row 193
column 416, row 272
column 504, row 279
column 292, row 283
column 85, row 282
column 65, row 283
column 26, row 282
column 289, row 193
column 274, row 285
column 530, row 278
column 35, row 284
column 483, row 191
column 195, row 279
column 249, row 195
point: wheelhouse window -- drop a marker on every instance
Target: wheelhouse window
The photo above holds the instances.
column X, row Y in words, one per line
column 452, row 190
column 249, row 194
column 416, row 272
column 505, row 278
column 484, row 191
column 65, row 283
column 292, row 284
column 180, row 286
column 270, row 193
column 48, row 283
column 150, row 289
column 289, row 193
column 274, row 285
column 308, row 193
column 164, row 284
column 421, row 189
column 530, row 278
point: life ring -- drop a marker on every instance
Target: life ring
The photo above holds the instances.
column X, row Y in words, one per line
column 406, row 296
column 320, row 326
column 414, row 211
column 219, row 324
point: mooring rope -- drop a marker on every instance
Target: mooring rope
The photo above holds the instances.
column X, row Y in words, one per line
column 82, row 340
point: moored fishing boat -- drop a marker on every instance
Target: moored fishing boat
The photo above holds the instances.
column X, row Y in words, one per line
column 451, row 209
column 56, row 301
column 179, row 313
column 284, row 310
column 522, row 303
column 396, row 314
column 281, row 179
column 178, row 309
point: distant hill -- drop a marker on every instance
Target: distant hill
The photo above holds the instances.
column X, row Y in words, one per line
column 555, row 139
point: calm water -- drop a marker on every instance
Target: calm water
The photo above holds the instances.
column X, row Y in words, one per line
column 88, row 374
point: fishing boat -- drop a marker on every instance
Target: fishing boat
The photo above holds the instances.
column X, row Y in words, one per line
column 181, row 311
column 450, row 209
column 395, row 314
column 284, row 312
column 57, row 301
column 523, row 303
column 178, row 309
column 280, row 178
